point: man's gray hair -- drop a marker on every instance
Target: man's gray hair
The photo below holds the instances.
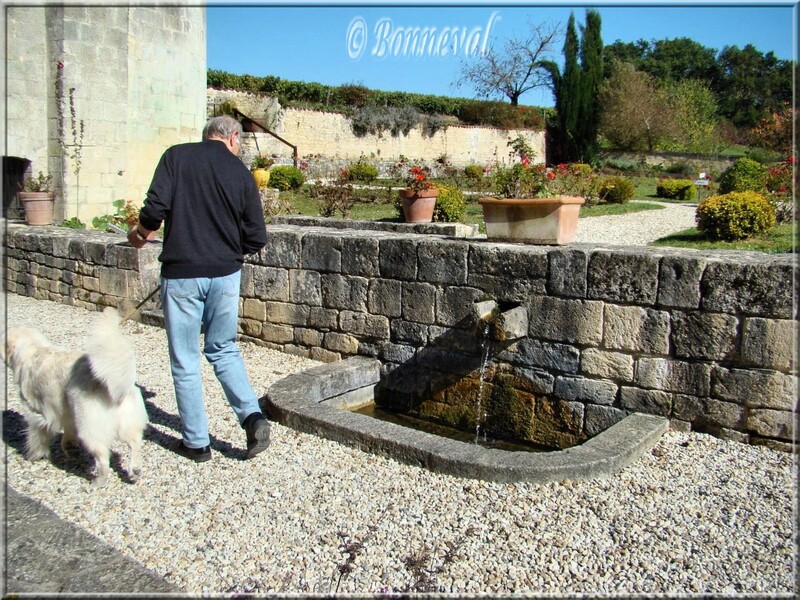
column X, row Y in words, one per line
column 222, row 126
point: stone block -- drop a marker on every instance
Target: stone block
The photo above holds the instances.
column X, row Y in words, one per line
column 673, row 376
column 506, row 289
column 323, row 318
column 467, row 341
column 344, row 292
column 755, row 388
column 705, row 336
column 536, row 353
column 535, row 381
column 270, row 283
column 708, row 411
column 360, row 257
column 305, row 287
column 560, row 320
column 454, row 305
column 607, row 365
column 508, row 273
column 277, row 334
column 287, row 314
column 654, row 402
column 567, row 273
column 398, row 258
column 679, row 282
column 406, row 331
column 761, row 289
column 254, row 309
column 323, row 355
column 362, row 324
column 282, row 249
column 385, row 297
column 769, row 343
column 600, row 418
column 96, row 252
column 250, row 328
column 582, row 389
column 626, row 277
column 419, row 303
column 636, row 329
column 771, row 423
column 340, row 342
column 322, row 252
column 308, row 337
column 443, row 262
column 397, row 353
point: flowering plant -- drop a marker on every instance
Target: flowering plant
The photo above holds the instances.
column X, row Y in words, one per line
column 417, row 179
column 779, row 177
column 524, row 180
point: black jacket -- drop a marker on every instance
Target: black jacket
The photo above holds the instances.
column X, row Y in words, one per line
column 211, row 209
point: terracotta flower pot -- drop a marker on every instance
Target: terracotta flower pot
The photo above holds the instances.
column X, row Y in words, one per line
column 532, row 220
column 38, row 207
column 418, row 205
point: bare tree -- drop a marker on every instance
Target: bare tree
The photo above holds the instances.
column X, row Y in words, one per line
column 515, row 70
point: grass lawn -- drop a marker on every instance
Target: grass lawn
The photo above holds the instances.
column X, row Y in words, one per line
column 778, row 241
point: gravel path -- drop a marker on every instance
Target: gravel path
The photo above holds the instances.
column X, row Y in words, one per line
column 637, row 229
column 697, row 514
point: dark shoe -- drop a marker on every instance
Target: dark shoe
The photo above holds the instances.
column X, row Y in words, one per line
column 196, row 454
column 257, row 429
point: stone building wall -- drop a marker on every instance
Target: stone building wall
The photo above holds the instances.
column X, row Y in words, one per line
column 95, row 94
column 705, row 339
column 329, row 135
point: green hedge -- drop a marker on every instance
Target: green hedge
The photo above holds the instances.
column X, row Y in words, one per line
column 676, row 189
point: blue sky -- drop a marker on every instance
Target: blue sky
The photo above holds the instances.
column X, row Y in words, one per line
column 335, row 43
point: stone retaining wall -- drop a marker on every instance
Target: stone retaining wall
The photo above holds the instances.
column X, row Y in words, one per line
column 703, row 338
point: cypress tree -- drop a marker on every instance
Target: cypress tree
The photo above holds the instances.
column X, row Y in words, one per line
column 576, row 90
column 590, row 82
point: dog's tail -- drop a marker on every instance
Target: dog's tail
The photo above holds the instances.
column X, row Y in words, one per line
column 111, row 355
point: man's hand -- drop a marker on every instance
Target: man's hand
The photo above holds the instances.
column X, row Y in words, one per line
column 137, row 236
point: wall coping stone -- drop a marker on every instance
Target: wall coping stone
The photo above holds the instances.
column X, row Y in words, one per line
column 458, row 230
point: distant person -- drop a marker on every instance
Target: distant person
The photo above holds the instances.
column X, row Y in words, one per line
column 212, row 213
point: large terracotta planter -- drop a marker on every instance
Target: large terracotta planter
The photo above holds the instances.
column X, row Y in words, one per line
column 38, row 207
column 418, row 205
column 532, row 220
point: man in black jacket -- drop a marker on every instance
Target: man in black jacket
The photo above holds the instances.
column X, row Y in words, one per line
column 212, row 213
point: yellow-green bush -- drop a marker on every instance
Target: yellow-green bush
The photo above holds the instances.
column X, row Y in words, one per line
column 450, row 205
column 285, row 177
column 735, row 216
column 676, row 189
column 742, row 176
column 615, row 190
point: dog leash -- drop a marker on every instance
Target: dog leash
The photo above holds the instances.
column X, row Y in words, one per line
column 138, row 306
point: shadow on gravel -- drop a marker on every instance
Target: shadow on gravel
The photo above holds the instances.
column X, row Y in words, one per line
column 159, row 416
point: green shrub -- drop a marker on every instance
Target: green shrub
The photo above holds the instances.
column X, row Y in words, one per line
column 362, row 171
column 285, row 177
column 474, row 174
column 742, row 176
column 450, row 205
column 735, row 216
column 615, row 190
column 676, row 189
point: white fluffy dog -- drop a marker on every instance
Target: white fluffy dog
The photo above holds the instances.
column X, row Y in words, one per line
column 91, row 396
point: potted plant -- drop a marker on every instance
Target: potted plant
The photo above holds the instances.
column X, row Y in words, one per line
column 38, row 200
column 531, row 203
column 419, row 196
column 260, row 170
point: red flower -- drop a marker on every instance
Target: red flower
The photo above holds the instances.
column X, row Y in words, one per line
column 551, row 175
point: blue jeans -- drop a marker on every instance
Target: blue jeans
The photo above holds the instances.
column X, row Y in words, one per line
column 213, row 304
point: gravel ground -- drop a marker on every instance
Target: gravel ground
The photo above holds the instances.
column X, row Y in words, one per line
column 637, row 229
column 695, row 515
